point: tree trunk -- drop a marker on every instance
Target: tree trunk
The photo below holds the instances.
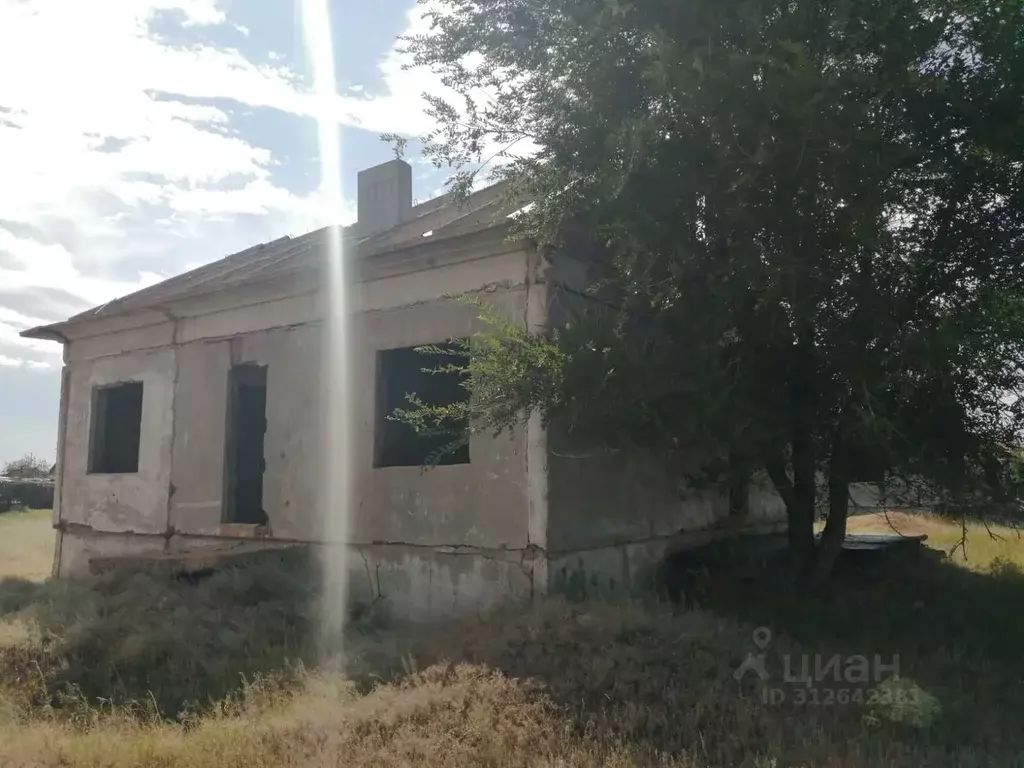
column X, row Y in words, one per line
column 802, row 398
column 838, row 508
column 739, row 486
column 799, row 519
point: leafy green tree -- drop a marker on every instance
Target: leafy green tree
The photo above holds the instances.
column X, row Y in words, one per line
column 28, row 466
column 810, row 221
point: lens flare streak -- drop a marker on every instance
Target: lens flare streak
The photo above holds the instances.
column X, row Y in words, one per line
column 335, row 487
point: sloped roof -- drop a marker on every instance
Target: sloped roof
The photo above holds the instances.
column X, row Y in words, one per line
column 434, row 218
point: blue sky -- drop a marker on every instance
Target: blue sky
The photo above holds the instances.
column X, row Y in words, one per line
column 141, row 138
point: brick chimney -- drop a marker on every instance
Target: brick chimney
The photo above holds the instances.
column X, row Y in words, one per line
column 384, row 197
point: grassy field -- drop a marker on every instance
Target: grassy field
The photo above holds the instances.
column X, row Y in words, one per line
column 978, row 551
column 26, row 544
column 143, row 670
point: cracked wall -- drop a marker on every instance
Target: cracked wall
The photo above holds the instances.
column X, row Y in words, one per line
column 530, row 510
column 420, row 583
column 442, row 540
column 613, row 515
column 134, row 502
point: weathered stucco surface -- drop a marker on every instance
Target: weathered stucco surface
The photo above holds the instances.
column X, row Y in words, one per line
column 77, row 546
column 612, row 516
column 598, row 497
column 446, row 539
column 291, row 445
column 120, row 502
column 420, row 583
column 628, row 495
column 482, row 503
column 525, row 514
column 197, row 468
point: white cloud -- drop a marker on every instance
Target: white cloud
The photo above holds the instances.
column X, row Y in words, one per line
column 101, row 39
column 60, row 116
column 34, row 365
column 197, row 12
column 51, row 265
column 106, row 154
column 106, row 158
column 114, row 177
column 119, row 166
column 402, row 108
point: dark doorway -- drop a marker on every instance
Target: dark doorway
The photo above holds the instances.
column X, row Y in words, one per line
column 247, row 425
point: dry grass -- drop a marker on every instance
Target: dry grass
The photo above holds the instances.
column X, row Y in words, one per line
column 982, row 546
column 555, row 684
column 146, row 640
column 446, row 716
column 26, row 544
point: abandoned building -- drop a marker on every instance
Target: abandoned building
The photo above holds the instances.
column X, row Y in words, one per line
column 189, row 420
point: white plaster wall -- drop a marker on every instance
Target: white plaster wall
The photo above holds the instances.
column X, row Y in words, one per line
column 421, row 584
column 78, row 547
column 200, row 426
column 439, row 506
column 395, row 281
column 292, row 442
column 386, row 292
column 233, row 321
column 599, row 498
column 483, row 503
column 184, row 363
column 629, row 567
column 120, row 502
column 120, row 342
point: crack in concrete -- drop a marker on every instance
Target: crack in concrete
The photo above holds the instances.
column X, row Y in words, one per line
column 374, row 590
column 176, row 349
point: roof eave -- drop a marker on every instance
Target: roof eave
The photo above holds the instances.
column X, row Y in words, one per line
column 360, row 248
column 46, row 333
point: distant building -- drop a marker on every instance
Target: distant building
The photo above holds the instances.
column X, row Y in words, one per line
column 191, row 414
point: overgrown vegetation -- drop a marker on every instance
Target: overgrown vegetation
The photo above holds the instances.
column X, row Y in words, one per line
column 149, row 670
column 810, row 222
column 27, row 467
column 144, row 640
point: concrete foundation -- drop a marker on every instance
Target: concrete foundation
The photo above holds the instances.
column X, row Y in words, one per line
column 421, row 583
